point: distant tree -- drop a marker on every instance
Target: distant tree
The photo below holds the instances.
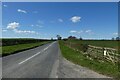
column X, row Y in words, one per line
column 65, row 39
column 113, row 38
column 81, row 38
column 69, row 37
column 51, row 38
column 72, row 37
column 117, row 38
column 59, row 37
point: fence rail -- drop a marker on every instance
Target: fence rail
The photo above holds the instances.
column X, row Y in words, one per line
column 108, row 54
column 94, row 52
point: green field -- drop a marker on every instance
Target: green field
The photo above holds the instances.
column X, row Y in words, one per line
column 76, row 57
column 16, row 41
column 7, row 50
column 99, row 43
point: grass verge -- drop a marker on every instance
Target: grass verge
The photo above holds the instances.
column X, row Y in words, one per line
column 7, row 50
column 76, row 57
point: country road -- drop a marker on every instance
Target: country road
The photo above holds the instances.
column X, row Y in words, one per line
column 45, row 61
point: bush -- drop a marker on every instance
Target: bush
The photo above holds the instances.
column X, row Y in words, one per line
column 65, row 39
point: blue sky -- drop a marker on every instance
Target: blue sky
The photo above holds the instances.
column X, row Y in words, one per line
column 46, row 20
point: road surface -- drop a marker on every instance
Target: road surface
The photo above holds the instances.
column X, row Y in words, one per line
column 43, row 62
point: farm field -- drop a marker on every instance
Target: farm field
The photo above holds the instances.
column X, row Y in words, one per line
column 15, row 41
column 106, row 68
column 99, row 43
column 11, row 46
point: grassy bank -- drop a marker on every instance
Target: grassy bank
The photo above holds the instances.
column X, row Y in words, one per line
column 78, row 58
column 7, row 50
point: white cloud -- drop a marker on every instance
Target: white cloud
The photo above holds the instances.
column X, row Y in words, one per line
column 5, row 5
column 4, row 30
column 88, row 31
column 81, row 31
column 12, row 25
column 75, row 19
column 39, row 26
column 22, row 11
column 60, row 20
column 36, row 26
column 24, row 31
column 73, row 31
column 115, row 34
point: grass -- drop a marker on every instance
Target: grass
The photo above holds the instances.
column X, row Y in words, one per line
column 78, row 58
column 7, row 50
column 100, row 43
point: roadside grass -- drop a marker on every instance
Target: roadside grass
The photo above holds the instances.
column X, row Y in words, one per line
column 99, row 43
column 0, row 51
column 7, row 50
column 76, row 57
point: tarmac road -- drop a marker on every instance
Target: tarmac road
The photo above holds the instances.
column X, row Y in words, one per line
column 44, row 61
